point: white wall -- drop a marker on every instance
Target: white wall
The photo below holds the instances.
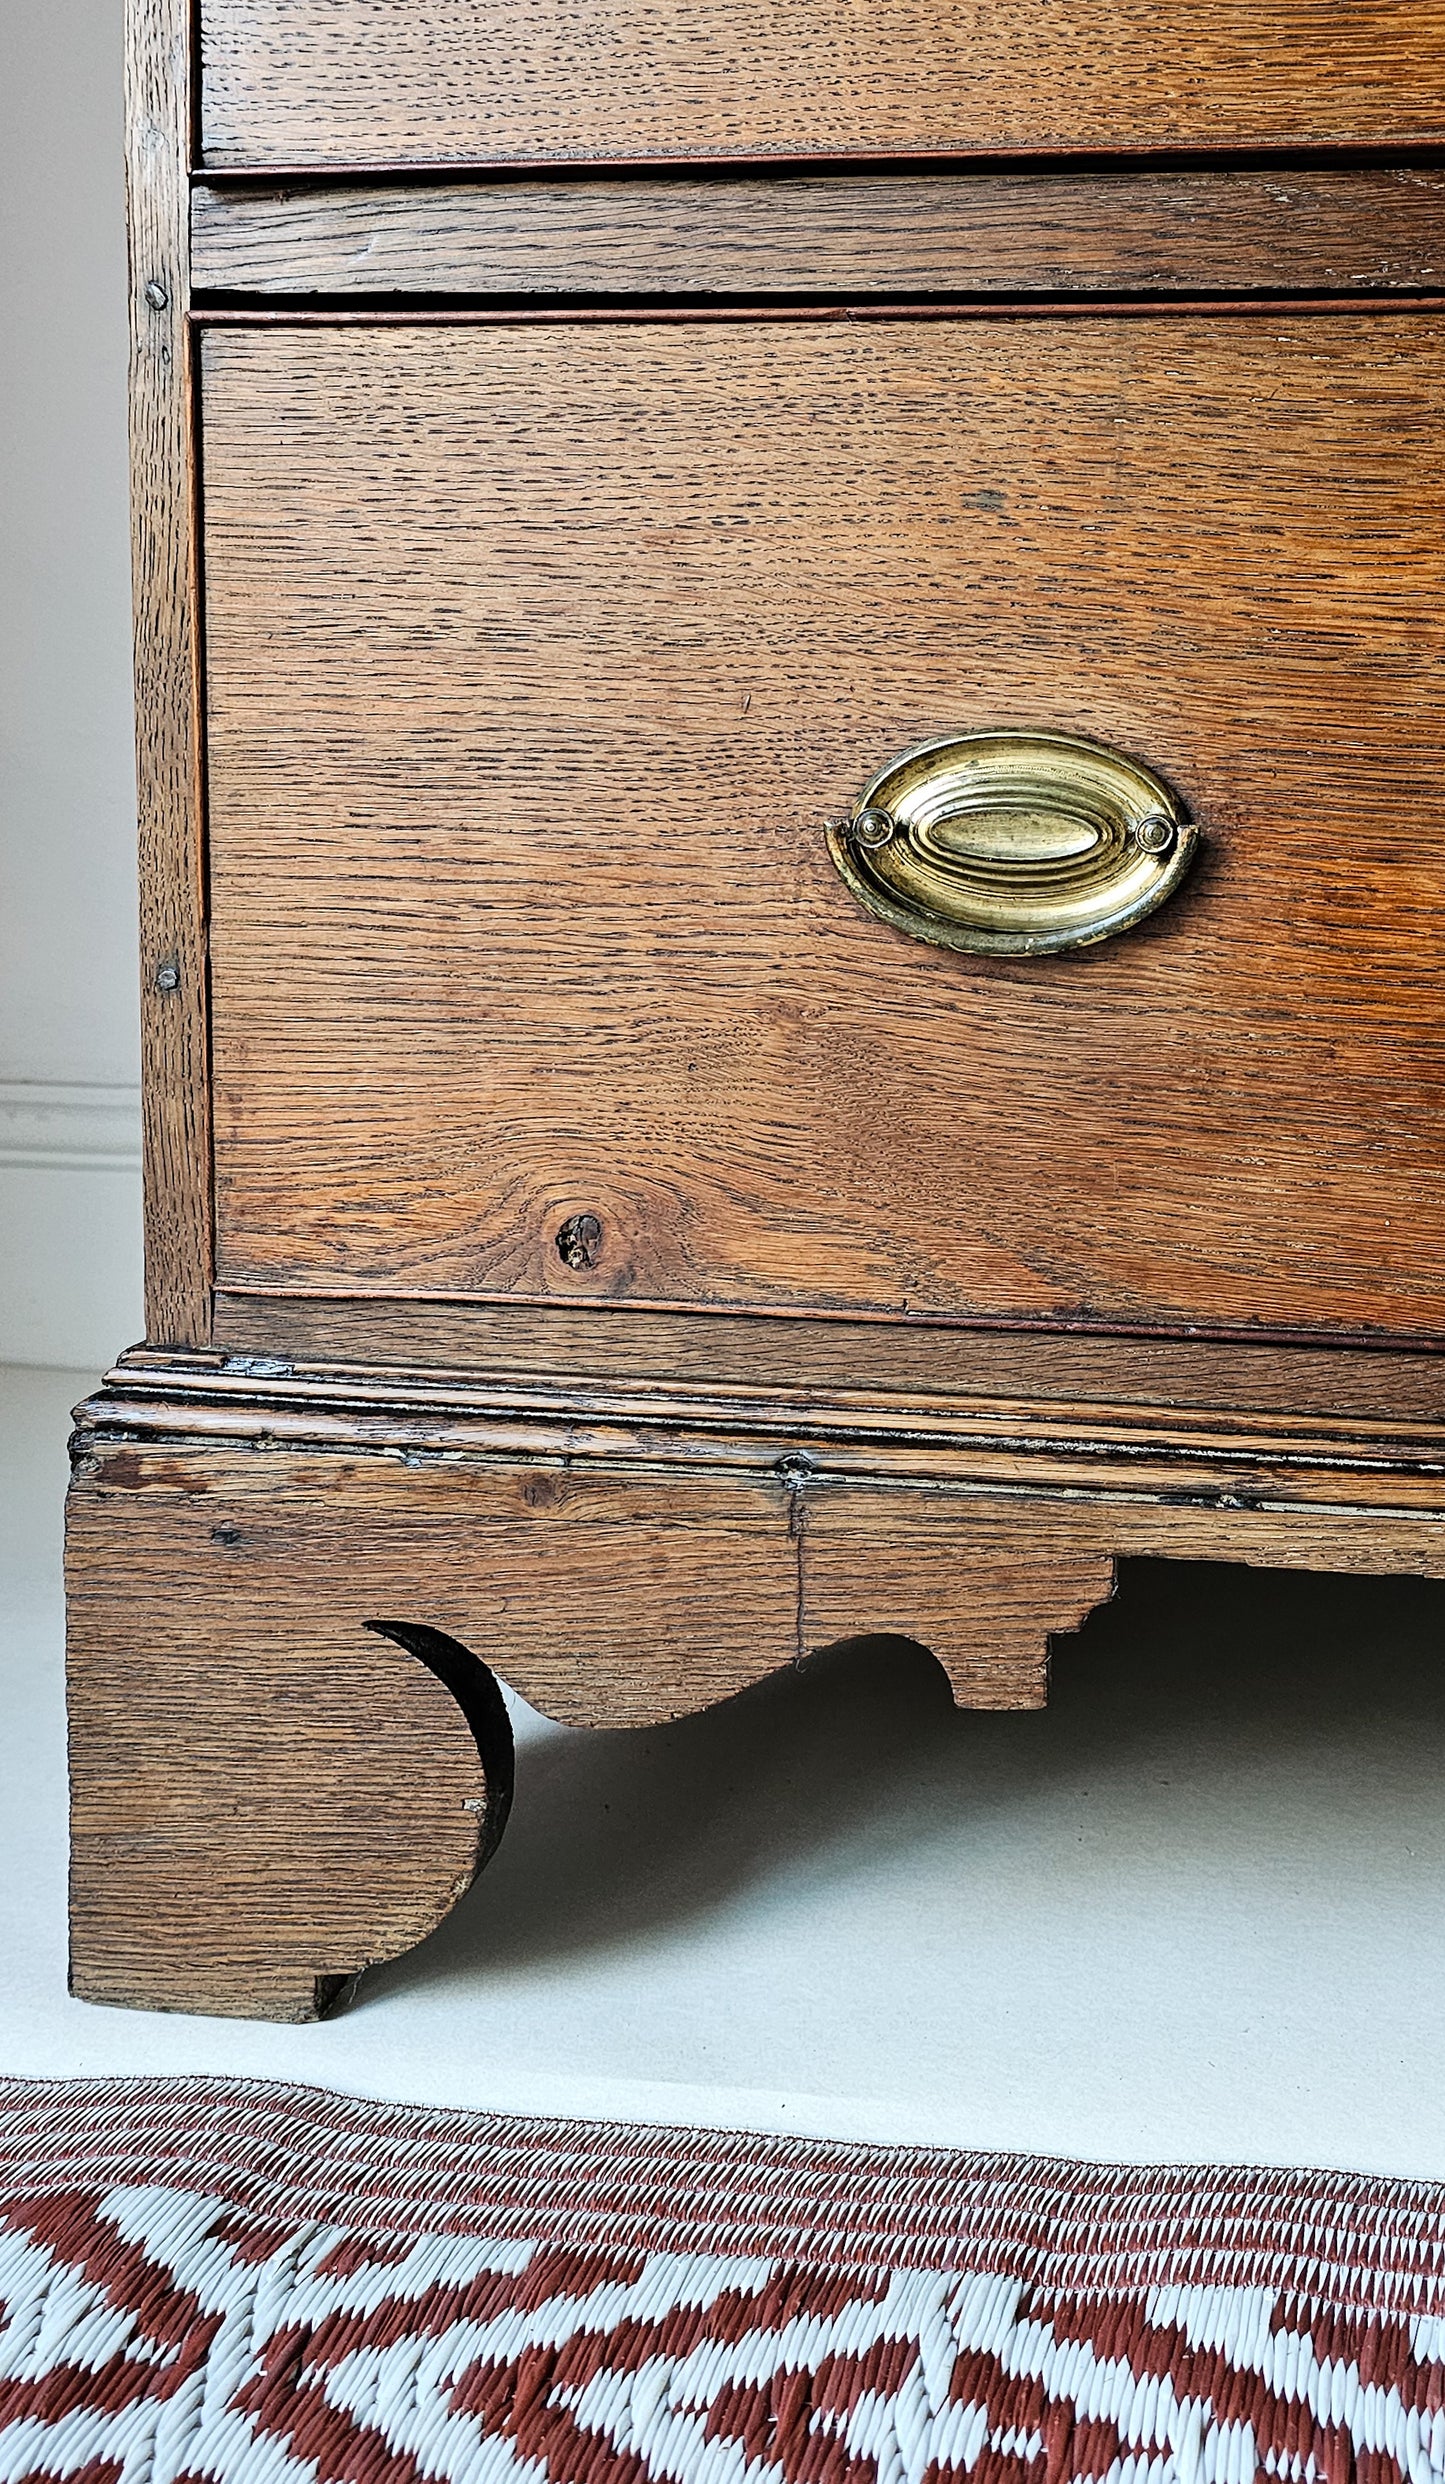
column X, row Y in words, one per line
column 69, row 1111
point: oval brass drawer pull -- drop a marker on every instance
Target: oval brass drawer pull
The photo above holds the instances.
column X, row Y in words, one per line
column 1014, row 843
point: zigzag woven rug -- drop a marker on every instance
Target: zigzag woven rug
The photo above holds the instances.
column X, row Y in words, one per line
column 204, row 2279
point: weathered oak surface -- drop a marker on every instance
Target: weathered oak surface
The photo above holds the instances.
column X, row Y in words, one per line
column 168, row 755
column 520, row 1340
column 1323, row 230
column 1288, row 1465
column 586, row 1570
column 538, row 656
column 266, row 1796
column 293, row 82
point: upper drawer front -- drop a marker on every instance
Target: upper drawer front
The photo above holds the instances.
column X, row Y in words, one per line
column 538, row 657
column 315, row 82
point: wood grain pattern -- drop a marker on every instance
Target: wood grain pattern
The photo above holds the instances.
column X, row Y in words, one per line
column 1062, row 1543
column 591, row 1583
column 168, row 759
column 600, row 1594
column 615, row 1343
column 538, row 656
column 265, row 1798
column 1323, row 230
column 1277, row 1460
column 965, row 1582
column 301, row 82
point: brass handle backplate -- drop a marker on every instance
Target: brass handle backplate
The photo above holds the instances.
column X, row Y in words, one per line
column 1014, row 843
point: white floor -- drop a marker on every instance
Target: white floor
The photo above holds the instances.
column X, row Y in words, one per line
column 1195, row 1910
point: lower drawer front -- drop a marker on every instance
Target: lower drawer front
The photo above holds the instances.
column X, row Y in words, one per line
column 538, row 656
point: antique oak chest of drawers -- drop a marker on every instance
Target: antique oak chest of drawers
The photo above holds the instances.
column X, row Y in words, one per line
column 791, row 676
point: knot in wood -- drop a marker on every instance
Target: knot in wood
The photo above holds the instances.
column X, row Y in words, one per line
column 579, row 1241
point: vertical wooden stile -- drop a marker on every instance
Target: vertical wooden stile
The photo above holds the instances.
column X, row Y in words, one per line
column 177, row 1140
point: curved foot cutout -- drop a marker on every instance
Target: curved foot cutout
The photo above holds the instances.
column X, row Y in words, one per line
column 478, row 1694
column 272, row 1790
column 267, row 1797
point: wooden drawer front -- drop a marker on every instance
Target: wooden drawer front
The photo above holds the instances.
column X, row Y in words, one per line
column 292, row 83
column 539, row 654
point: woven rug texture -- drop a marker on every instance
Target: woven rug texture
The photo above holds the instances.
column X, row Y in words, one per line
column 202, row 2279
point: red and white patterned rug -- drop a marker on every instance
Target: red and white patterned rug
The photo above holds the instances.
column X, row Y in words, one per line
column 203, row 2279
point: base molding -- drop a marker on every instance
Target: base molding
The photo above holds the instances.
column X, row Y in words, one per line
column 292, row 1595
